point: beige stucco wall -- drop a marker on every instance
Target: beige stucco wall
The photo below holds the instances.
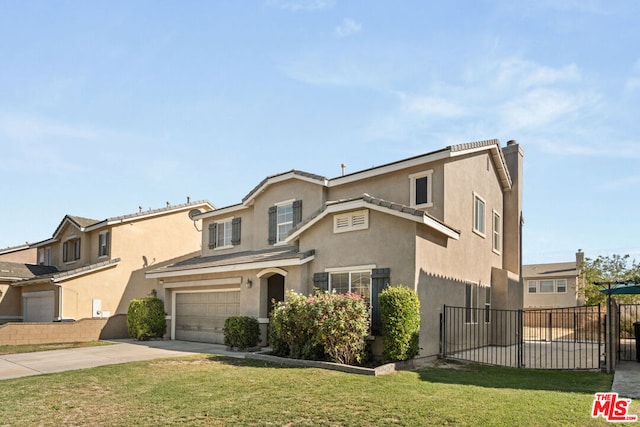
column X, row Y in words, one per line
column 396, row 187
column 141, row 245
column 552, row 299
column 10, row 303
column 24, row 256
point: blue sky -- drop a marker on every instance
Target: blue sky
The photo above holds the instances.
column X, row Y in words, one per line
column 107, row 106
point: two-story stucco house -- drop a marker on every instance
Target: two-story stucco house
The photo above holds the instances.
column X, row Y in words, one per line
column 446, row 223
column 93, row 268
column 553, row 285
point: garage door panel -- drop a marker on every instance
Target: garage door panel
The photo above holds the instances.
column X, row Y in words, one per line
column 39, row 306
column 200, row 316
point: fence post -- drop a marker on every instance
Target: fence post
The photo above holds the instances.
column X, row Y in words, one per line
column 520, row 337
column 443, row 328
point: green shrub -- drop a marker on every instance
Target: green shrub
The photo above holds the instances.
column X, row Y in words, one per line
column 333, row 326
column 146, row 318
column 241, row 332
column 400, row 314
column 291, row 329
column 341, row 323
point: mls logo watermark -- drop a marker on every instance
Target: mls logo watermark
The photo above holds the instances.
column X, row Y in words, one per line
column 612, row 408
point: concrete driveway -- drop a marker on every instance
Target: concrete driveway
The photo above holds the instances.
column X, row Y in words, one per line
column 121, row 351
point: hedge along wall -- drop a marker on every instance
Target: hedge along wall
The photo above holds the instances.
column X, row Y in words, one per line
column 58, row 332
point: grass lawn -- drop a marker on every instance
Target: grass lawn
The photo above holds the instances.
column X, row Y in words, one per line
column 211, row 390
column 29, row 348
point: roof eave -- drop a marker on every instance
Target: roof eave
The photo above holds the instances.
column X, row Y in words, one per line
column 255, row 265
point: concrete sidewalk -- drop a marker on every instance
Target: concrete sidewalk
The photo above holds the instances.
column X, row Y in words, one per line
column 122, row 351
column 626, row 380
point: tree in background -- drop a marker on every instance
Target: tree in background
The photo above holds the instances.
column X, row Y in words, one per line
column 612, row 268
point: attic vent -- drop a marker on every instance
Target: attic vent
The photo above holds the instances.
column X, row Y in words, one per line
column 352, row 221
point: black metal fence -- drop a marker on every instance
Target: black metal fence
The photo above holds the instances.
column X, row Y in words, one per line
column 628, row 315
column 567, row 338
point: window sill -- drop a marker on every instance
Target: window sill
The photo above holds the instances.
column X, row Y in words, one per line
column 219, row 248
column 423, row 206
column 496, row 252
column 484, row 236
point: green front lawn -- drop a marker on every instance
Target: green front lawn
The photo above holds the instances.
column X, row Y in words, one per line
column 30, row 348
column 211, row 390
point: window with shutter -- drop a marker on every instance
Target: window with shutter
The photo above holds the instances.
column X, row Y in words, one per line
column 103, row 244
column 212, row 235
column 283, row 217
column 76, row 249
column 65, row 252
column 380, row 279
column 221, row 233
column 236, row 225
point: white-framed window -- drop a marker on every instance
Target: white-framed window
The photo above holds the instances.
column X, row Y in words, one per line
column 420, row 185
column 487, row 304
column 561, row 286
column 223, row 234
column 103, row 243
column 471, row 303
column 284, row 220
column 497, row 232
column 533, row 286
column 351, row 279
column 479, row 207
column 546, row 286
column 351, row 221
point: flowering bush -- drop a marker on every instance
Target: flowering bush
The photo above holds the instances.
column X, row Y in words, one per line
column 400, row 312
column 325, row 325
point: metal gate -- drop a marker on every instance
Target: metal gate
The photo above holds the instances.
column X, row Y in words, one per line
column 560, row 338
column 628, row 314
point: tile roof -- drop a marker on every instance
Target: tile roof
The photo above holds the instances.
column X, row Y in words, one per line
column 57, row 276
column 559, row 269
column 85, row 224
column 245, row 257
column 374, row 201
column 294, row 172
column 24, row 271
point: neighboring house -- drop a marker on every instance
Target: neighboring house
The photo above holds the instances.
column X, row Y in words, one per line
column 13, row 272
column 21, row 254
column 91, row 268
column 445, row 223
column 553, row 285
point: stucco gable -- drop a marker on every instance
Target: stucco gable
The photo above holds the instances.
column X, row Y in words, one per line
column 384, row 206
column 292, row 174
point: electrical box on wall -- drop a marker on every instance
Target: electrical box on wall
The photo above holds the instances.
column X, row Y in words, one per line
column 97, row 308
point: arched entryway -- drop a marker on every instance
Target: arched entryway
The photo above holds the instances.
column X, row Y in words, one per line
column 275, row 291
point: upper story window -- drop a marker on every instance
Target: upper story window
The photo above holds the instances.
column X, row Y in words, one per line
column 497, row 232
column 351, row 221
column 283, row 217
column 478, row 215
column 104, row 243
column 44, row 256
column 547, row 286
column 225, row 234
column 421, row 189
column 71, row 250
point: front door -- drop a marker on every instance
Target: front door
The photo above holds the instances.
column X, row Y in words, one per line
column 275, row 291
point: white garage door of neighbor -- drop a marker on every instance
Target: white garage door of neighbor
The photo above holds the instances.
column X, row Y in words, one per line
column 200, row 316
column 38, row 306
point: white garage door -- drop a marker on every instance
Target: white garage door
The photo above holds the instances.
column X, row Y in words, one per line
column 38, row 306
column 200, row 316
